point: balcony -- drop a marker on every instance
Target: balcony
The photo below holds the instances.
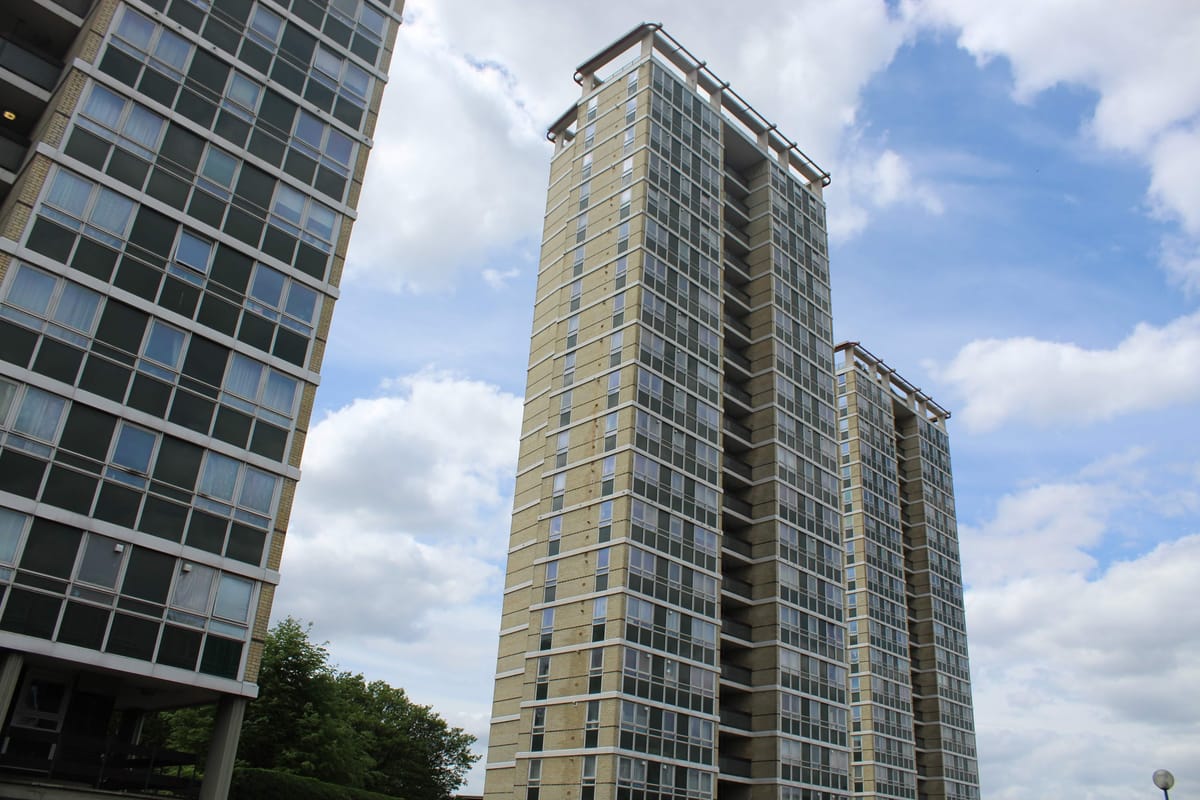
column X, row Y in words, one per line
column 28, row 65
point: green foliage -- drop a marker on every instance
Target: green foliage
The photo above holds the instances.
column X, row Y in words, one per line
column 310, row 721
column 266, row 784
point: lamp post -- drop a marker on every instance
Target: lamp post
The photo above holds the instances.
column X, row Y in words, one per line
column 1164, row 780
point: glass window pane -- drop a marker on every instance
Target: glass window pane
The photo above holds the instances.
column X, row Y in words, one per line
column 11, row 525
column 320, row 221
column 143, row 126
column 340, row 147
column 309, row 129
column 220, row 476
column 233, row 598
column 258, row 490
column 172, row 49
column 356, row 80
column 244, row 91
column 164, row 344
column 219, row 167
column 328, row 63
column 280, row 394
column 289, row 203
column 267, row 286
column 193, row 586
column 77, row 307
column 301, row 302
column 7, row 390
column 136, row 29
column 104, row 106
column 39, row 414
column 112, row 212
column 193, row 252
column 371, row 21
column 266, row 23
column 101, row 561
column 245, row 374
column 348, row 7
column 70, row 193
column 133, row 450
column 31, row 290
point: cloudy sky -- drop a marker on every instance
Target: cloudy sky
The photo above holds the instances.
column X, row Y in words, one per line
column 1015, row 213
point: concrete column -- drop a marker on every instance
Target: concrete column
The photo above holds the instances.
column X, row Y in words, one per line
column 10, row 674
column 222, row 749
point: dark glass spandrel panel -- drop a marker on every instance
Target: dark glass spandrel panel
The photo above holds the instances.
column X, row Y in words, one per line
column 31, row 613
column 123, row 67
column 158, row 87
column 235, row 10
column 178, row 463
column 95, row 259
column 221, row 657
column 268, row 440
column 21, row 474
column 58, row 361
column 132, row 636
column 192, row 412
column 297, row 44
column 88, row 148
column 169, row 189
column 50, row 239
column 70, row 490
column 148, row 575
column 209, row 71
column 254, row 189
column 205, row 361
column 117, row 504
column 83, row 625
column 104, row 378
column 207, row 209
column 51, row 548
column 88, row 431
column 280, row 245
column 186, row 13
column 231, row 268
column 207, row 532
column 150, row 395
column 180, row 647
column 178, row 296
column 218, row 314
column 277, row 114
column 246, row 544
column 122, row 326
column 16, row 343
column 232, row 128
column 232, row 427
column 154, row 232
column 244, row 226
column 163, row 518
column 182, row 148
column 139, row 278
column 291, row 347
column 256, row 332
column 127, row 168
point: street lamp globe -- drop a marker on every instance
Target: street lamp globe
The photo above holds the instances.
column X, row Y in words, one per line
column 1164, row 780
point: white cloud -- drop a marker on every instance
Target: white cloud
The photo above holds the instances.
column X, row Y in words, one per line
column 1084, row 687
column 396, row 545
column 499, row 279
column 1048, row 383
column 1138, row 57
column 427, row 459
column 869, row 183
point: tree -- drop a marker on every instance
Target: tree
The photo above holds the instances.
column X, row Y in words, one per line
column 299, row 723
column 311, row 721
column 415, row 753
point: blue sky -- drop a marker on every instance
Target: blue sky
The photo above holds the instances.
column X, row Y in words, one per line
column 1015, row 212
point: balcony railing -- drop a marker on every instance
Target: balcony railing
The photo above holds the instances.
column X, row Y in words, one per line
column 106, row 763
column 28, row 65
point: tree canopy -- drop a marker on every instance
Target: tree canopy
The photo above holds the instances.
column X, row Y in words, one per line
column 314, row 721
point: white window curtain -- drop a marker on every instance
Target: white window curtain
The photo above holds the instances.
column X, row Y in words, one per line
column 193, row 586
column 70, row 193
column 244, row 377
column 143, row 126
column 31, row 290
column 280, row 394
column 77, row 307
column 258, row 490
column 220, row 477
column 39, row 414
column 233, row 598
column 12, row 523
column 104, row 106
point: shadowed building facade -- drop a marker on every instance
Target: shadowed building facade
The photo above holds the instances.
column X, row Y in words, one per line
column 178, row 181
column 673, row 619
column 912, row 724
